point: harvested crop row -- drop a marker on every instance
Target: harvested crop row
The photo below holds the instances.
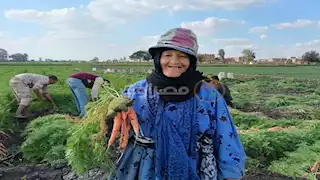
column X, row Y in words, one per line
column 46, row 138
column 268, row 146
column 245, row 121
column 299, row 163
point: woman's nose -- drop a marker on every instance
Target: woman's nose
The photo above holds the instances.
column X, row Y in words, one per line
column 175, row 58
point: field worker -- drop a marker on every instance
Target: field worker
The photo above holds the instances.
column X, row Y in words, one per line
column 78, row 82
column 223, row 89
column 22, row 84
column 187, row 131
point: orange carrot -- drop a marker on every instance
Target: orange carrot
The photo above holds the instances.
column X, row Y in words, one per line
column 133, row 120
column 117, row 122
column 314, row 168
column 123, row 128
column 125, row 132
column 3, row 136
column 124, row 115
column 2, row 150
column 122, row 133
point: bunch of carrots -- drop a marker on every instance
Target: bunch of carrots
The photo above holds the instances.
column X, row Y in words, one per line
column 112, row 115
column 119, row 110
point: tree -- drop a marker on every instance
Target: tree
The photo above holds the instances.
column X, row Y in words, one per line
column 25, row 56
column 248, row 55
column 311, row 56
column 95, row 59
column 3, row 55
column 221, row 55
column 18, row 57
column 141, row 55
column 202, row 58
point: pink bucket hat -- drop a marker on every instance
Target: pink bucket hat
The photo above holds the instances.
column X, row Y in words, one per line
column 180, row 39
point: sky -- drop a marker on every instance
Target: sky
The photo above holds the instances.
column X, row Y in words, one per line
column 107, row 29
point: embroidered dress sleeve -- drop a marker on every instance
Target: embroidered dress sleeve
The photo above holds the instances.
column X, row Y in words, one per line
column 229, row 150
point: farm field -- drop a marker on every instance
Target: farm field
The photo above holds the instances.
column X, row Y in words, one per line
column 278, row 119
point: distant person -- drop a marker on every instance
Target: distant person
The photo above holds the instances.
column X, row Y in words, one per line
column 223, row 89
column 22, row 84
column 78, row 82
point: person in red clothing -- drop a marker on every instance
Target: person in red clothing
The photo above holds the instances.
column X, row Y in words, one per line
column 78, row 82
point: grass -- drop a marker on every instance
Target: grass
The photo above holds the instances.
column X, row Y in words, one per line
column 289, row 103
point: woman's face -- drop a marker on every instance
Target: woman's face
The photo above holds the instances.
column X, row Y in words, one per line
column 174, row 63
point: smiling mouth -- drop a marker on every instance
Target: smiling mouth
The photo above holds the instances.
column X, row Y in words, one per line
column 174, row 67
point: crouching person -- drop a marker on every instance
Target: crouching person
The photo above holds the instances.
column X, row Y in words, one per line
column 78, row 82
column 22, row 86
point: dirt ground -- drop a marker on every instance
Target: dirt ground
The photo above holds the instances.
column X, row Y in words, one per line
column 272, row 113
column 261, row 174
column 30, row 173
column 41, row 172
column 14, row 140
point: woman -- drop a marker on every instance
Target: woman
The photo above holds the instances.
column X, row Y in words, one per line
column 187, row 131
column 78, row 82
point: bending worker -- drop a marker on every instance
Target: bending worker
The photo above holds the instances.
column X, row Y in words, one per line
column 22, row 85
column 78, row 82
column 223, row 89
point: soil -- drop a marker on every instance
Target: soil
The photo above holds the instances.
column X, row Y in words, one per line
column 261, row 174
column 14, row 140
column 30, row 173
column 42, row 172
column 272, row 113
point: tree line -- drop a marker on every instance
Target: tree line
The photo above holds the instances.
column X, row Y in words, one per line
column 16, row 57
column 248, row 56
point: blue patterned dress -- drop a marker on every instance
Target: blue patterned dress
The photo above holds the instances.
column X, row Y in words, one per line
column 195, row 139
